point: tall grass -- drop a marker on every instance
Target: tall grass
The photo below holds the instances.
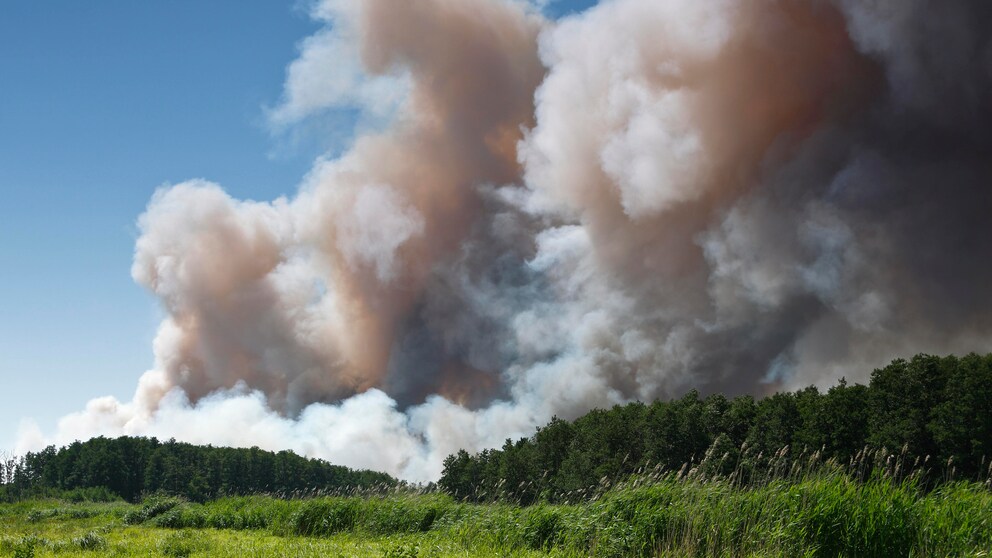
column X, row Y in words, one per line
column 828, row 514
column 727, row 504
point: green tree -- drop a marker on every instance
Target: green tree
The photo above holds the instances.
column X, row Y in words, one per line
column 775, row 423
column 843, row 420
column 903, row 398
column 962, row 421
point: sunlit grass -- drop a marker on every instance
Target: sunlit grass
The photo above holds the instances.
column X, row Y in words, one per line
column 823, row 514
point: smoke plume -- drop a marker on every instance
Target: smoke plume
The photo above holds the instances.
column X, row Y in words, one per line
column 645, row 198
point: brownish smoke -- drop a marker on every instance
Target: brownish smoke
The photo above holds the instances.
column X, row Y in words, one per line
column 653, row 196
column 474, row 68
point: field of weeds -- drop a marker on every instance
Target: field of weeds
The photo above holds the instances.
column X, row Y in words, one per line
column 820, row 515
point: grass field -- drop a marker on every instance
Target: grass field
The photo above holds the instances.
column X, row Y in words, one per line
column 818, row 516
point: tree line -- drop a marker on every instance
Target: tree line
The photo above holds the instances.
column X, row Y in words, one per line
column 130, row 467
column 933, row 414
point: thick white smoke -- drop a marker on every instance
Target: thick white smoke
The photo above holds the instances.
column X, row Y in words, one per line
column 652, row 196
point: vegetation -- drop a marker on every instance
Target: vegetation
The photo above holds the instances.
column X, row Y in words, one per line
column 809, row 514
column 793, row 474
column 128, row 467
column 930, row 414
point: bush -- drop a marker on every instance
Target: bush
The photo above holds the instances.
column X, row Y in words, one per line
column 542, row 527
column 325, row 517
column 249, row 512
column 90, row 541
column 184, row 543
column 152, row 507
column 386, row 516
column 35, row 516
column 25, row 547
column 90, row 494
column 402, row 551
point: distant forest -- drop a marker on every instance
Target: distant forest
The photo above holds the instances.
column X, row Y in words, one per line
column 131, row 467
column 928, row 416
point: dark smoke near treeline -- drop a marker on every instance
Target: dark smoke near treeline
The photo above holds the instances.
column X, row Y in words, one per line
column 546, row 217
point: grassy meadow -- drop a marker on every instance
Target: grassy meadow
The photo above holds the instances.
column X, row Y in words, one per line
column 660, row 515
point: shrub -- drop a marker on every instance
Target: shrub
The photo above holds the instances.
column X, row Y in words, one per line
column 398, row 514
column 542, row 527
column 90, row 494
column 402, row 551
column 325, row 516
column 90, row 541
column 183, row 543
column 25, row 547
column 152, row 507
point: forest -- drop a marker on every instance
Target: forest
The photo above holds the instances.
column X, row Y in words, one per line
column 131, row 467
column 929, row 416
column 932, row 415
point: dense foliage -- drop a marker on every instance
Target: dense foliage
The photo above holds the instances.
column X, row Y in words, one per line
column 931, row 415
column 659, row 515
column 129, row 467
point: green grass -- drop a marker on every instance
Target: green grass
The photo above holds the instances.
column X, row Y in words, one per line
column 829, row 515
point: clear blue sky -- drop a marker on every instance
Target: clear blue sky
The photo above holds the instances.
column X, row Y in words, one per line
column 101, row 103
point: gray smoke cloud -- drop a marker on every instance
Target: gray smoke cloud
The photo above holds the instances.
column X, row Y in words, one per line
column 649, row 197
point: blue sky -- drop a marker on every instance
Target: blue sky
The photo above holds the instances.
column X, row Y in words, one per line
column 100, row 104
